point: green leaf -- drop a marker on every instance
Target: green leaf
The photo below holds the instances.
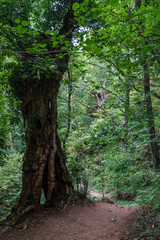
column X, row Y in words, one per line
column 63, row 48
column 114, row 3
column 19, row 27
column 67, row 43
column 75, row 6
column 62, row 36
column 6, row 26
column 43, row 45
column 55, row 43
column 48, row 32
column 36, row 33
column 25, row 23
column 53, row 38
column 97, row 50
column 60, row 56
column 17, row 20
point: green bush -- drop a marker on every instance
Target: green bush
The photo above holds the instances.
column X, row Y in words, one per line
column 10, row 183
column 151, row 195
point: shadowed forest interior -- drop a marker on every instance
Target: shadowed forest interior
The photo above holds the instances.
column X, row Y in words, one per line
column 79, row 106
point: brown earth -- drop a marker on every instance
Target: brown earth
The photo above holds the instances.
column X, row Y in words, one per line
column 76, row 221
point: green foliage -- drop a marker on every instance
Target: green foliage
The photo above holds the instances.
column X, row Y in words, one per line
column 10, row 183
column 11, row 121
column 95, row 142
column 146, row 226
column 114, row 3
column 79, row 173
column 151, row 195
column 107, row 144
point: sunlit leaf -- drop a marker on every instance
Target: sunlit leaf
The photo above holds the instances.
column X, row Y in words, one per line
column 17, row 20
column 6, row 26
column 48, row 32
column 75, row 6
column 25, row 23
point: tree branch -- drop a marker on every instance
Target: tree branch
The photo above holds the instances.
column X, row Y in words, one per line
column 114, row 94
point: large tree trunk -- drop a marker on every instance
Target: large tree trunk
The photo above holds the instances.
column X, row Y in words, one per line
column 44, row 162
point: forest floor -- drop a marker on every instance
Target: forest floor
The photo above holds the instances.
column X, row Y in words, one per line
column 84, row 220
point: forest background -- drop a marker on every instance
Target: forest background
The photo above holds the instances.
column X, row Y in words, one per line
column 108, row 102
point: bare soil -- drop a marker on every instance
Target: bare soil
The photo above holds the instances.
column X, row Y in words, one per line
column 76, row 221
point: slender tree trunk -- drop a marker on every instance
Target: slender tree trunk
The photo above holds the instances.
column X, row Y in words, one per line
column 150, row 118
column 69, row 91
column 148, row 100
column 138, row 3
column 100, row 101
column 11, row 140
column 126, row 107
column 10, row 133
column 102, row 179
column 125, row 119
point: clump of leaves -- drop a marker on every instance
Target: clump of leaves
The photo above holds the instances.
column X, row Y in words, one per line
column 10, row 183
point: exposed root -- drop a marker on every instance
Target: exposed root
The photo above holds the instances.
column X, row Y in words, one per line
column 67, row 203
column 15, row 218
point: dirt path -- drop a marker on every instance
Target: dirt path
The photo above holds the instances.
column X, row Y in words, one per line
column 76, row 222
column 98, row 195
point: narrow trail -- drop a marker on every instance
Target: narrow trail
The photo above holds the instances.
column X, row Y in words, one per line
column 95, row 221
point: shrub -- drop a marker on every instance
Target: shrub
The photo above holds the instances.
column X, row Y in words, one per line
column 151, row 195
column 10, row 183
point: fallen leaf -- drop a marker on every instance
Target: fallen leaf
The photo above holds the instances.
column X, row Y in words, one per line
column 114, row 220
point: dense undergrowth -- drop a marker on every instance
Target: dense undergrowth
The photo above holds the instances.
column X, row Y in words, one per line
column 146, row 225
column 128, row 182
column 96, row 159
column 10, row 183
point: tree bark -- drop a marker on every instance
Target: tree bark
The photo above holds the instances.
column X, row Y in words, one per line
column 125, row 119
column 150, row 118
column 10, row 133
column 11, row 141
column 69, row 92
column 138, row 3
column 44, row 161
column 126, row 106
